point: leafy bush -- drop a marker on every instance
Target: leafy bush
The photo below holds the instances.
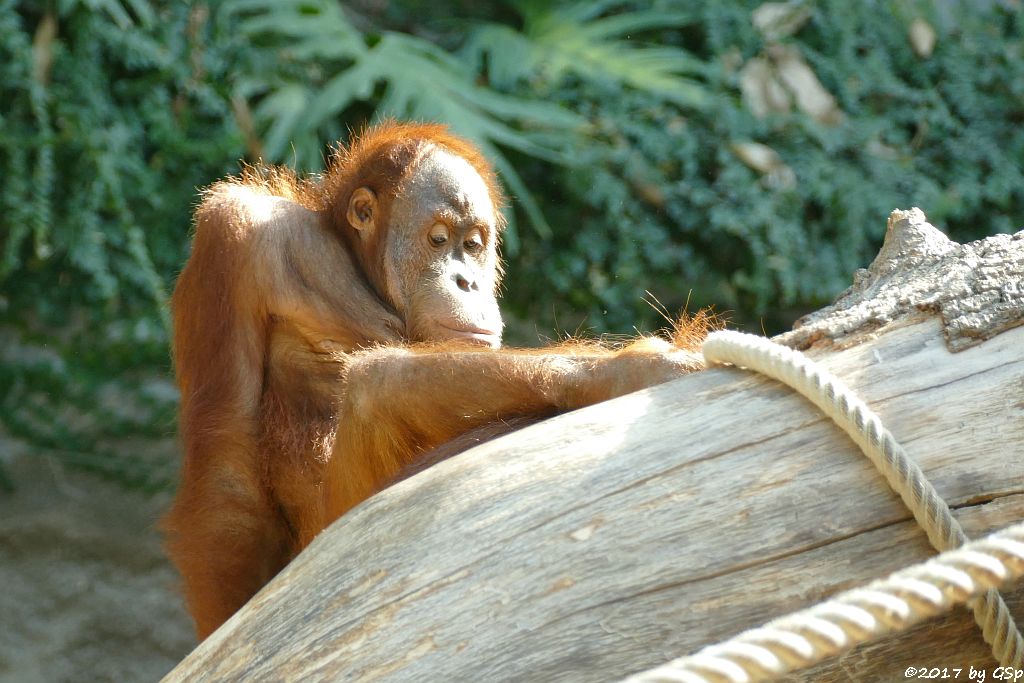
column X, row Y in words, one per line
column 661, row 187
column 670, row 203
column 111, row 120
column 113, row 115
column 736, row 153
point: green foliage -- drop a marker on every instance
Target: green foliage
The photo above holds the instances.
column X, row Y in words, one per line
column 652, row 193
column 69, row 401
column 326, row 66
column 620, row 127
column 660, row 200
column 106, row 131
column 578, row 40
column 113, row 114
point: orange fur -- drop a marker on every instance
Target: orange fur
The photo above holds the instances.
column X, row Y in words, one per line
column 379, row 158
column 301, row 394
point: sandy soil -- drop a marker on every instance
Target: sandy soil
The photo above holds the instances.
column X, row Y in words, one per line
column 86, row 593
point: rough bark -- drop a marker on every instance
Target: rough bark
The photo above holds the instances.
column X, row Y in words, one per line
column 611, row 539
column 977, row 289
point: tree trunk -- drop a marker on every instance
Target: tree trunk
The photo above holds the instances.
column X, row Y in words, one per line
column 612, row 539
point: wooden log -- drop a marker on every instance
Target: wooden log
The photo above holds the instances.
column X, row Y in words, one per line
column 611, row 539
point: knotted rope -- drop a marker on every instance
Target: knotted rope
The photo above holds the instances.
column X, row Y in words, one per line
column 806, row 637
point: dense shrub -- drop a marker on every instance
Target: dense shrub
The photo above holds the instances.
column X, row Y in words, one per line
column 731, row 153
column 659, row 197
column 112, row 116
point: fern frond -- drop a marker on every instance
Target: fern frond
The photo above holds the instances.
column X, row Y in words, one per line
column 315, row 29
column 414, row 78
column 559, row 41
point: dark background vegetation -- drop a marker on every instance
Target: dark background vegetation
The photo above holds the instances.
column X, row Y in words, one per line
column 702, row 152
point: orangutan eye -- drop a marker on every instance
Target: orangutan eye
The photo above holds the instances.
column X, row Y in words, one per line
column 439, row 234
column 473, row 243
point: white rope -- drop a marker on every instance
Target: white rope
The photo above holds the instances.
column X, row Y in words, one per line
column 835, row 626
column 896, row 603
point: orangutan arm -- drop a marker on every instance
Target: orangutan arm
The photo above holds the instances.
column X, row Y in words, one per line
column 401, row 402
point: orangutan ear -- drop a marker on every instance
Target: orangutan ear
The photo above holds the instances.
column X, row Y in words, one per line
column 362, row 210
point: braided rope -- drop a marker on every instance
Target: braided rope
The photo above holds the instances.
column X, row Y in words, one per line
column 836, row 625
column 891, row 604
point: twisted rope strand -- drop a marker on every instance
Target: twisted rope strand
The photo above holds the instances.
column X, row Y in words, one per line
column 837, row 625
column 892, row 604
column 836, row 400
